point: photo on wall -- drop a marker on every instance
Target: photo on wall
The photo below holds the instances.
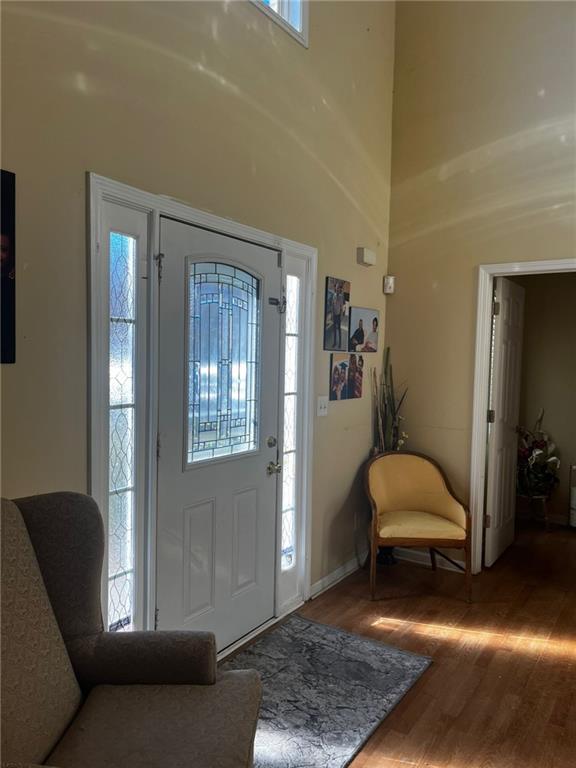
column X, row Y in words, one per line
column 346, row 376
column 8, row 265
column 355, row 376
column 336, row 314
column 339, row 364
column 364, row 325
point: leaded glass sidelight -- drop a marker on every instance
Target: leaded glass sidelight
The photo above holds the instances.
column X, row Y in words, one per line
column 223, row 356
column 291, row 394
column 121, row 509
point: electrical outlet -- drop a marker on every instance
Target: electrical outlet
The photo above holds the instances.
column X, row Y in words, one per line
column 322, row 409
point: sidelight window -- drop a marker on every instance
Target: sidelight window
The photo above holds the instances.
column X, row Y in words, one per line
column 122, row 350
column 291, row 395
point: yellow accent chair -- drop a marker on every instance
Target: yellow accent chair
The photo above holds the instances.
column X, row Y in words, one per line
column 413, row 505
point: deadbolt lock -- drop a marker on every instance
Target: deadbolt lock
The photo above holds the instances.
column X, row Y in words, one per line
column 273, row 468
column 271, row 442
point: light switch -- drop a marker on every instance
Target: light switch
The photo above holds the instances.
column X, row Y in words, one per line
column 322, row 405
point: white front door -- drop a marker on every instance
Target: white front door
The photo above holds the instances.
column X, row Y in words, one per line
column 505, row 403
column 219, row 353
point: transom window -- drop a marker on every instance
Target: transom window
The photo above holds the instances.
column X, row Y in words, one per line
column 291, row 15
column 223, row 353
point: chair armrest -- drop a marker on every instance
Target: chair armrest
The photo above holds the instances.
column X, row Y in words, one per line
column 148, row 658
column 453, row 509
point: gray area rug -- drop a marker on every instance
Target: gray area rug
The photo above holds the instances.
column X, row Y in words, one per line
column 325, row 692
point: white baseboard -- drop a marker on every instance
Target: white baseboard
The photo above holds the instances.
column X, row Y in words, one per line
column 340, row 573
column 289, row 606
column 401, row 553
column 423, row 558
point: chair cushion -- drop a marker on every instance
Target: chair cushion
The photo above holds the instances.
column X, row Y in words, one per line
column 40, row 694
column 155, row 726
column 417, row 525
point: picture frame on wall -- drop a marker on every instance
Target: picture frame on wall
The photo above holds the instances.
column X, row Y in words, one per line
column 346, row 376
column 339, row 364
column 364, row 324
column 8, row 267
column 337, row 302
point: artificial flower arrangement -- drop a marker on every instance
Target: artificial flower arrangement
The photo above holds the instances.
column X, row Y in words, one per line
column 537, row 472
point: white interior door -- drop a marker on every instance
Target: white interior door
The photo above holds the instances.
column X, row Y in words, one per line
column 505, row 402
column 219, row 353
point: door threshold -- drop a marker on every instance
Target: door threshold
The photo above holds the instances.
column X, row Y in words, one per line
column 245, row 639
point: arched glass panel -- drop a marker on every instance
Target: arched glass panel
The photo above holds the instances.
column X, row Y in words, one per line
column 223, row 353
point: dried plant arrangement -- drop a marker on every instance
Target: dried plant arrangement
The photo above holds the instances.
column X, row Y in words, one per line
column 388, row 435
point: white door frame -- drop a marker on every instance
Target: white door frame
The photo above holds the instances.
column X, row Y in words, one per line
column 101, row 190
column 486, row 275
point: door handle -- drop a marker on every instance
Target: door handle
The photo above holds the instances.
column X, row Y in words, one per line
column 273, row 468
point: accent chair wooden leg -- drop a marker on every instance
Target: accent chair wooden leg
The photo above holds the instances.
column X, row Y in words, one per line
column 373, row 558
column 433, row 558
column 468, row 573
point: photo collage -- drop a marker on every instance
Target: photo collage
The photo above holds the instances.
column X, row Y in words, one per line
column 350, row 333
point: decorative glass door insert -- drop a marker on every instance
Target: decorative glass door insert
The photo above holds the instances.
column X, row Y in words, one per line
column 223, row 349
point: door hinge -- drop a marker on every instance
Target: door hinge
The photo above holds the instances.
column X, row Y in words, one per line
column 491, row 416
column 156, row 618
column 157, row 446
column 487, row 521
column 159, row 258
column 496, row 308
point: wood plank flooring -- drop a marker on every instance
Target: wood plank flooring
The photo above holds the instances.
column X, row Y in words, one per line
column 501, row 692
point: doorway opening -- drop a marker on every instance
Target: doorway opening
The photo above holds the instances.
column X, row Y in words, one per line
column 201, row 352
column 499, row 401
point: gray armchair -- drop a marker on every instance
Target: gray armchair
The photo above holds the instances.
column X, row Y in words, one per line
column 74, row 696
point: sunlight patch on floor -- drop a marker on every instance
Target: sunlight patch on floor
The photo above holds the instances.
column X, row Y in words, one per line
column 520, row 643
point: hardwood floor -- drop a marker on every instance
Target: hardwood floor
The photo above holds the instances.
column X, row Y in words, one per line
column 501, row 692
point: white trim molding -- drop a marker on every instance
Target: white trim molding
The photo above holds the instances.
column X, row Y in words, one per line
column 337, row 575
column 486, row 275
column 102, row 190
column 135, row 218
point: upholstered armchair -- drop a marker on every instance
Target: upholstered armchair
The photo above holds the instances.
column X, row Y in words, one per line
column 74, row 696
column 413, row 506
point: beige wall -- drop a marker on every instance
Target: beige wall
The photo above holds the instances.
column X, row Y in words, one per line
column 483, row 170
column 549, row 369
column 213, row 104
